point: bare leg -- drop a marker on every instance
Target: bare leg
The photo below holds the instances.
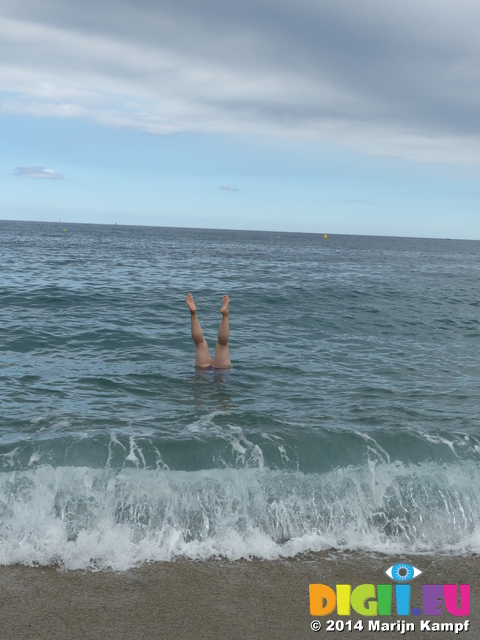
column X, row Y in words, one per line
column 222, row 355
column 202, row 356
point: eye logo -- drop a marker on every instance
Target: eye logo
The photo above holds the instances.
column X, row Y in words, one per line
column 402, row 572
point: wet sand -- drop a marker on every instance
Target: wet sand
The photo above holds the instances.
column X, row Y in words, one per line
column 211, row 600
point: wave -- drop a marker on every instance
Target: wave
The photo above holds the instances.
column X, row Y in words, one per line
column 79, row 517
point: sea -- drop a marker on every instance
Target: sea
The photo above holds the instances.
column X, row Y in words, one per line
column 350, row 419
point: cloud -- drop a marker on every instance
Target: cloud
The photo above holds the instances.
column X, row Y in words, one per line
column 38, row 173
column 225, row 187
column 398, row 78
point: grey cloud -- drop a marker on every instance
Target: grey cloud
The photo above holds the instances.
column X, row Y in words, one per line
column 397, row 77
column 38, row 173
column 226, row 187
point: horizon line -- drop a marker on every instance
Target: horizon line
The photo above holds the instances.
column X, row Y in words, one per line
column 313, row 233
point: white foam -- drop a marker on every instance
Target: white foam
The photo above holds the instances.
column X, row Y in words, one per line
column 102, row 518
column 203, row 423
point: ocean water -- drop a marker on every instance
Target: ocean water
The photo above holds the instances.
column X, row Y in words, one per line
column 349, row 420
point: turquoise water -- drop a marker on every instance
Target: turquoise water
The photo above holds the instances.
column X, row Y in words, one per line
column 350, row 418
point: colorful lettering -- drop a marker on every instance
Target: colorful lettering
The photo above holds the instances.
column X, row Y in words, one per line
column 450, row 596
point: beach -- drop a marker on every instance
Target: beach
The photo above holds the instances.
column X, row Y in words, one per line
column 212, row 600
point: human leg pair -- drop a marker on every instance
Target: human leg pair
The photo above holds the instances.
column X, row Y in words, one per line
column 221, row 359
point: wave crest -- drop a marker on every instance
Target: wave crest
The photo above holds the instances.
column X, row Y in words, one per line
column 80, row 517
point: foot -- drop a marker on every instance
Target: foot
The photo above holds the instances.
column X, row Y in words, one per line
column 191, row 303
column 224, row 309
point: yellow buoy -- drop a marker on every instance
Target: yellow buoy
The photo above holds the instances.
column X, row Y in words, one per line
column 325, row 237
column 64, row 231
column 278, row 236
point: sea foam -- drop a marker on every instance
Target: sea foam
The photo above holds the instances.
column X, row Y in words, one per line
column 80, row 517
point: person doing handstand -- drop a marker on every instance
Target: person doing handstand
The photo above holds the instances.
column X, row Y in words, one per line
column 221, row 359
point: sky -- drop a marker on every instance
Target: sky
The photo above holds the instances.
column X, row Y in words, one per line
column 321, row 116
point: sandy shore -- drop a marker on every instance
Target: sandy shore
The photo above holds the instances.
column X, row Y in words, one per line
column 209, row 600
